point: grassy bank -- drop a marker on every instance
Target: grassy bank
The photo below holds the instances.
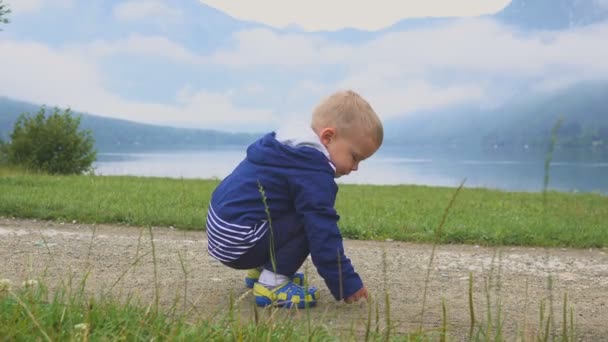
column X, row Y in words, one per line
column 407, row 213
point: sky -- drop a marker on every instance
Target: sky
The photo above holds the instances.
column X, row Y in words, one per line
column 261, row 77
column 315, row 15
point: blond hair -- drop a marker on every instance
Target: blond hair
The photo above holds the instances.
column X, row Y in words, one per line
column 347, row 110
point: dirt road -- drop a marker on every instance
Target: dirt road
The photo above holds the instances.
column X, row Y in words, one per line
column 54, row 251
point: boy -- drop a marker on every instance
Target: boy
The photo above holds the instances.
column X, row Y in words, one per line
column 277, row 206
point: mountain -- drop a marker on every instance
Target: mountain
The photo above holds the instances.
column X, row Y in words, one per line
column 553, row 14
column 114, row 135
column 191, row 23
column 581, row 109
column 523, row 14
column 188, row 33
column 523, row 121
column 202, row 28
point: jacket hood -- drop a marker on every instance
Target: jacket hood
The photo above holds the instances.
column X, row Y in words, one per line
column 271, row 152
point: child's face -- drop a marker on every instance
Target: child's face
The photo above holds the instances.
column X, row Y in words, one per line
column 346, row 151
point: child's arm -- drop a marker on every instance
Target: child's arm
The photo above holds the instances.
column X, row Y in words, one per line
column 314, row 198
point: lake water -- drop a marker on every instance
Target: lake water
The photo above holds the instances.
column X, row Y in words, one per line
column 512, row 172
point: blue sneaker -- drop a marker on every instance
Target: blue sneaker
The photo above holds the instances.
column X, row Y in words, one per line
column 287, row 295
column 254, row 274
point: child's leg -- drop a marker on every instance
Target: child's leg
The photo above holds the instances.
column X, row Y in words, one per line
column 289, row 244
column 285, row 252
column 288, row 258
column 290, row 249
column 289, row 255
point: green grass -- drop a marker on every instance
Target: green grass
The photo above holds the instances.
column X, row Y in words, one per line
column 479, row 216
column 94, row 199
column 69, row 313
column 404, row 213
column 34, row 314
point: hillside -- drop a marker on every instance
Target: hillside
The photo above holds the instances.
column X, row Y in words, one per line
column 121, row 135
column 109, row 19
column 553, row 14
column 525, row 120
column 582, row 110
column 184, row 56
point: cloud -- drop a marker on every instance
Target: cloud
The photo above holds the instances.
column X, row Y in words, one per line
column 265, row 77
column 33, row 71
column 317, row 15
column 263, row 47
column 199, row 109
column 39, row 74
column 420, row 96
column 145, row 9
column 218, row 109
column 393, row 94
column 464, row 61
column 137, row 45
column 473, row 45
column 602, row 3
column 24, row 6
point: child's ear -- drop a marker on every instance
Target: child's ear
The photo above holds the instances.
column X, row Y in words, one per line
column 327, row 134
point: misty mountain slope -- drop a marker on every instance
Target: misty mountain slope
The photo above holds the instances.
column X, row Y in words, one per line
column 199, row 27
column 181, row 60
column 525, row 120
column 553, row 14
column 437, row 128
column 202, row 28
column 582, row 110
column 122, row 135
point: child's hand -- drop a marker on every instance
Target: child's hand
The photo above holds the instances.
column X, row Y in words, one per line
column 362, row 293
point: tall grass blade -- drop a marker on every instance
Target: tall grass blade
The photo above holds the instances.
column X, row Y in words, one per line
column 438, row 232
column 154, row 262
column 185, row 271
column 471, row 307
column 444, row 325
column 549, row 158
column 368, row 324
column 273, row 259
column 31, row 316
column 565, row 319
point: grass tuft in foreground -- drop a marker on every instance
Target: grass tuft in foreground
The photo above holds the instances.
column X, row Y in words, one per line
column 31, row 313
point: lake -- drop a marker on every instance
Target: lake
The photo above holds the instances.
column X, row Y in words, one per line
column 520, row 171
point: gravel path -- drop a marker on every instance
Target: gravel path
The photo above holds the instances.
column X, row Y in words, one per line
column 54, row 251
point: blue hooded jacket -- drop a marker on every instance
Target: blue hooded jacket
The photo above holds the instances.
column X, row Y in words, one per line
column 295, row 180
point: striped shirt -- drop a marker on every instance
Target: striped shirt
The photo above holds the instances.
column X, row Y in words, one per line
column 228, row 241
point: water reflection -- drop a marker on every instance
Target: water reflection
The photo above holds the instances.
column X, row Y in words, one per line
column 439, row 167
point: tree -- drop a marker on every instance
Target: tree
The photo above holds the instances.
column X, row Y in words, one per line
column 52, row 143
column 4, row 11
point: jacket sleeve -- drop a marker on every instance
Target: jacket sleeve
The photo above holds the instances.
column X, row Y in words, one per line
column 314, row 197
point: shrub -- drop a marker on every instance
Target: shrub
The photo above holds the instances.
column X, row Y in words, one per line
column 51, row 143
